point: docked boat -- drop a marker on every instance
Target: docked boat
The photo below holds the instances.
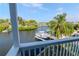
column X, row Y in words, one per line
column 42, row 36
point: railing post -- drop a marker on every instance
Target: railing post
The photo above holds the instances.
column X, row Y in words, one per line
column 14, row 23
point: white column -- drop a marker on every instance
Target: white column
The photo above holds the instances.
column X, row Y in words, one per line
column 14, row 23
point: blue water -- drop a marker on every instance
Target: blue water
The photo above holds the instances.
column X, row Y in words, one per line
column 6, row 39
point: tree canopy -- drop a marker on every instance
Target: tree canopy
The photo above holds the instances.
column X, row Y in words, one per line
column 24, row 25
column 60, row 26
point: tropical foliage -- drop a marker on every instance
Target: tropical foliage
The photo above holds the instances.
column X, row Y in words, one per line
column 21, row 21
column 27, row 25
column 4, row 24
column 76, row 26
column 60, row 26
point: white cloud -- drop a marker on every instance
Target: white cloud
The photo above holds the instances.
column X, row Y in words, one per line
column 69, row 17
column 59, row 10
column 74, row 18
column 35, row 5
column 32, row 5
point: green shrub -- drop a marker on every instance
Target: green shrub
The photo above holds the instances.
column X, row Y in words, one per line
column 1, row 27
column 21, row 28
column 27, row 28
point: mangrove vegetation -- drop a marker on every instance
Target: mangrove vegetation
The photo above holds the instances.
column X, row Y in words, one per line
column 23, row 25
column 57, row 26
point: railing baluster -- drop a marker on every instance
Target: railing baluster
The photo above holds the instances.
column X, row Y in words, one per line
column 77, row 48
column 57, row 50
column 35, row 52
column 39, row 52
column 29, row 53
column 52, row 50
column 48, row 50
column 23, row 51
column 70, row 48
column 44, row 51
column 73, row 48
column 19, row 53
column 64, row 47
column 60, row 49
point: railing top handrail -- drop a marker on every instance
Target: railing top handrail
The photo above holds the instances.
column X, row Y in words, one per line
column 31, row 44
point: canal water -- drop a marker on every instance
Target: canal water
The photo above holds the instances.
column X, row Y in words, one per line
column 25, row 37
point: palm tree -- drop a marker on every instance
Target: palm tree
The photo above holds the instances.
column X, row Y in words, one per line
column 21, row 21
column 59, row 26
column 69, row 28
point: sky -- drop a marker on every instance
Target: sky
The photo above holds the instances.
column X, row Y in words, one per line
column 43, row 12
